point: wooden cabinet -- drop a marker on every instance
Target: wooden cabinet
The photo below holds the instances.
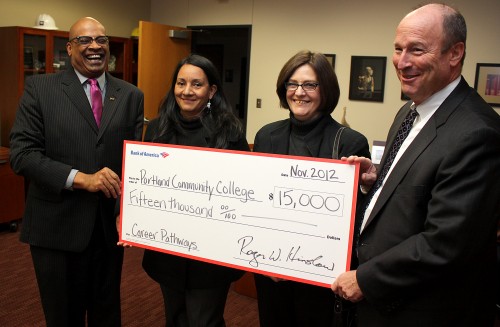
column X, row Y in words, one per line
column 38, row 51
column 134, row 60
column 120, row 58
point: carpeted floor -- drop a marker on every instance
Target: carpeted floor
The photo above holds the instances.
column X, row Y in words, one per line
column 142, row 303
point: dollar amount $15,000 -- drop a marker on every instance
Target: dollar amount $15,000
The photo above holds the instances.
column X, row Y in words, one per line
column 309, row 201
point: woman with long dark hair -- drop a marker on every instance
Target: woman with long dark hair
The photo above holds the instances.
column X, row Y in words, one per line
column 195, row 112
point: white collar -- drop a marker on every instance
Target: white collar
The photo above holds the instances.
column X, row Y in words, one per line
column 101, row 79
column 430, row 105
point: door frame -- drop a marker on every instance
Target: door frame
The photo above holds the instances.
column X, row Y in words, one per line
column 244, row 65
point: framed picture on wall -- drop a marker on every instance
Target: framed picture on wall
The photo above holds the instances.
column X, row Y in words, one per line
column 331, row 58
column 487, row 83
column 367, row 80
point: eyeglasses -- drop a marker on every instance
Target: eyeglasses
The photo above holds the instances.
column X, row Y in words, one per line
column 86, row 40
column 308, row 86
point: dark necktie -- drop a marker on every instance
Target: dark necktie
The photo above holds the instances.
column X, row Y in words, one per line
column 401, row 135
column 96, row 100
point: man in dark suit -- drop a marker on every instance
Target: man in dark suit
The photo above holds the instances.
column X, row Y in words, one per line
column 73, row 160
column 427, row 245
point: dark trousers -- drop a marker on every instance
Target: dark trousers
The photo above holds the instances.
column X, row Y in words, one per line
column 293, row 304
column 79, row 287
column 498, row 281
column 195, row 307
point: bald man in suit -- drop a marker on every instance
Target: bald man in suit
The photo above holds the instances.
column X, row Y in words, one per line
column 73, row 162
column 427, row 244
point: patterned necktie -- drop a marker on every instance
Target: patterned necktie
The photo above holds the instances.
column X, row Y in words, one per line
column 401, row 135
column 96, row 100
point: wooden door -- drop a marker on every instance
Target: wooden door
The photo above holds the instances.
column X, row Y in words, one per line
column 159, row 55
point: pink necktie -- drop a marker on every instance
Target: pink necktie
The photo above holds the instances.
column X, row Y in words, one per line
column 96, row 99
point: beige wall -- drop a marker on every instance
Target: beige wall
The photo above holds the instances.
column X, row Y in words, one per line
column 280, row 28
column 118, row 16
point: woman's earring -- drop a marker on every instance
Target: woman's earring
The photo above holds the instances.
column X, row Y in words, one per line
column 208, row 106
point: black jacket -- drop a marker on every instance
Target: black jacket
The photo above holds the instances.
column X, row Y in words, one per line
column 275, row 138
column 183, row 273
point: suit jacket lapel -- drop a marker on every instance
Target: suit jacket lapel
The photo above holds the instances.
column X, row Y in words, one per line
column 419, row 144
column 390, row 183
column 76, row 94
column 398, row 120
column 424, row 138
column 111, row 103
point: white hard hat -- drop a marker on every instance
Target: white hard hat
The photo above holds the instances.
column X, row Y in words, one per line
column 46, row 22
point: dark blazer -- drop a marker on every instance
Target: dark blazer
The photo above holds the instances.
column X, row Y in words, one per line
column 427, row 253
column 179, row 272
column 275, row 138
column 287, row 302
column 54, row 132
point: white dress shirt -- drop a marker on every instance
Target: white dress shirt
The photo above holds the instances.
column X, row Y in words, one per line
column 425, row 111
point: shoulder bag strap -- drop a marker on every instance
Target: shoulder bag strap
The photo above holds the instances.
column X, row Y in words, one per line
column 336, row 142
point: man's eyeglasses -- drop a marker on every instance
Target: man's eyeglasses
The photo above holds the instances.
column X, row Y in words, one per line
column 86, row 40
column 308, row 86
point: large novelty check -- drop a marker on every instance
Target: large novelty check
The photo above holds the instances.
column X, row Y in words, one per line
column 289, row 217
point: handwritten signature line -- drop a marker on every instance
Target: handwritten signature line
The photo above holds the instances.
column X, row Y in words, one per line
column 286, row 268
column 138, row 239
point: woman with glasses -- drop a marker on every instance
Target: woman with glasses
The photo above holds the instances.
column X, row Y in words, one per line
column 195, row 112
column 307, row 86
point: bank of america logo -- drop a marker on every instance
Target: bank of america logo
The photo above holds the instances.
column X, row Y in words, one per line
column 164, row 154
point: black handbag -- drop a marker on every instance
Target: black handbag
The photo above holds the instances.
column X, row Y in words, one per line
column 344, row 311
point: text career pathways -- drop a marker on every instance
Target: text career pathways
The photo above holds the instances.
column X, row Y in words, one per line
column 224, row 189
